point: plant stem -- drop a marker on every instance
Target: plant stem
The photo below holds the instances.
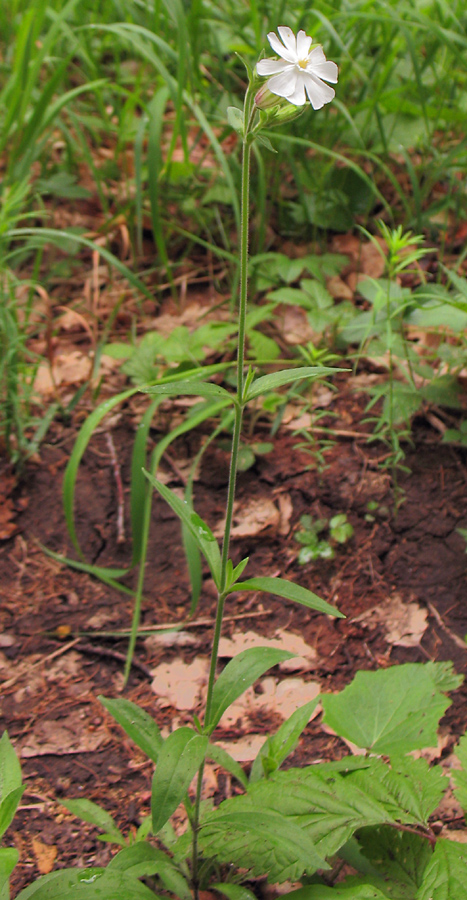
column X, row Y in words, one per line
column 237, row 429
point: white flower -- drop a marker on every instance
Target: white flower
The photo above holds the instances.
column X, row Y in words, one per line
column 300, row 69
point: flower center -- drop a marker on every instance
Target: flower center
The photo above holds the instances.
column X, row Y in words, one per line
column 303, row 63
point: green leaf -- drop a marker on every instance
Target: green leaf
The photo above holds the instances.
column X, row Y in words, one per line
column 138, row 724
column 8, row 807
column 338, row 892
column 8, row 859
column 241, row 672
column 409, row 788
column 445, row 876
column 95, row 815
column 391, row 711
column 264, row 843
column 142, row 859
column 10, row 769
column 222, row 758
column 280, row 745
column 235, row 119
column 195, row 388
column 267, row 383
column 399, row 858
column 195, row 524
column 90, row 884
column 282, row 588
column 179, row 759
column 234, row 891
column 459, row 776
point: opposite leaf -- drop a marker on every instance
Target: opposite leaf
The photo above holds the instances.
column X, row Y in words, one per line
column 278, row 746
column 138, row 724
column 290, row 591
column 391, row 711
column 179, row 759
column 241, row 672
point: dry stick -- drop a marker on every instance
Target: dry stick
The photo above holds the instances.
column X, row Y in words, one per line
column 454, row 637
column 105, row 653
column 119, row 485
column 196, row 623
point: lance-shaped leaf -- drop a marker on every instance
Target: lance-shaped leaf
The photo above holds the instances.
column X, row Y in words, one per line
column 222, row 758
column 138, row 724
column 195, row 388
column 95, row 815
column 263, row 842
column 288, row 589
column 10, row 769
column 267, row 383
column 195, row 525
column 179, row 759
column 241, row 672
column 142, row 859
column 279, row 745
column 392, row 711
column 8, row 858
column 8, row 807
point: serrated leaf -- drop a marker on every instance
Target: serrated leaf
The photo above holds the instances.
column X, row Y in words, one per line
column 399, row 858
column 445, row 876
column 408, row 787
column 179, row 759
column 290, row 591
column 138, row 724
column 10, row 769
column 263, row 842
column 195, row 525
column 89, row 884
column 241, row 672
column 279, row 746
column 267, row 383
column 95, row 815
column 338, row 892
column 391, row 711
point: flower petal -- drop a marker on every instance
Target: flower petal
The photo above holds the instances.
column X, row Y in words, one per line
column 289, row 39
column 280, row 49
column 318, row 92
column 284, row 84
column 298, row 98
column 271, row 66
column 317, row 56
column 327, row 70
column 303, row 45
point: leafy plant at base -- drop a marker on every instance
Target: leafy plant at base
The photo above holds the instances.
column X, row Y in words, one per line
column 314, row 547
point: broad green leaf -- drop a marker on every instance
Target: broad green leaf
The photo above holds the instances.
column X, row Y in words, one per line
column 179, row 759
column 399, row 858
column 234, row 891
column 445, row 876
column 338, row 892
column 459, row 776
column 267, row 383
column 138, row 724
column 10, row 769
column 90, row 884
column 235, row 118
column 263, row 842
column 8, row 807
column 408, row 788
column 279, row 746
column 391, row 711
column 290, row 591
column 142, row 859
column 8, row 859
column 241, row 672
column 95, row 815
column 195, row 524
column 196, row 388
column 222, row 758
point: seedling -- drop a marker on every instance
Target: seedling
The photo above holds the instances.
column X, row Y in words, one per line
column 315, row 547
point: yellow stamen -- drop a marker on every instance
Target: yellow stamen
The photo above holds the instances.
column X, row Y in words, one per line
column 303, row 63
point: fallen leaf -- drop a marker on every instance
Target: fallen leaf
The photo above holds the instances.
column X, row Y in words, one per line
column 303, row 661
column 251, row 518
column 180, row 684
column 405, row 622
column 70, row 734
column 246, row 749
column 45, row 856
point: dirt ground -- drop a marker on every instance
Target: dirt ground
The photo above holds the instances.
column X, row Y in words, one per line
column 400, row 581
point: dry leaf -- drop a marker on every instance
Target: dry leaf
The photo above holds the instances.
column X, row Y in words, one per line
column 179, row 684
column 251, row 518
column 303, row 661
column 246, row 749
column 68, row 735
column 338, row 288
column 293, row 324
column 282, row 698
column 405, row 622
column 45, row 856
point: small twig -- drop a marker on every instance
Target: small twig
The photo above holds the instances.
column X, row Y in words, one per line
column 454, row 637
column 44, row 659
column 174, row 626
column 119, row 485
column 113, row 654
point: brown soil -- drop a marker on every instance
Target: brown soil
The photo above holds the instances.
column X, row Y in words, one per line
column 52, row 677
